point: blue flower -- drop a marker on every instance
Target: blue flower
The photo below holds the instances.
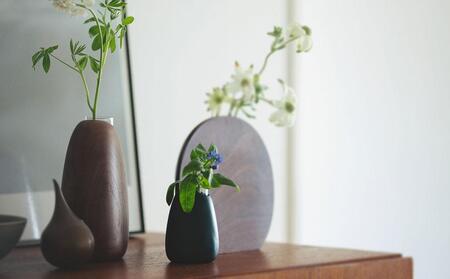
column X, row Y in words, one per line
column 219, row 159
column 212, row 154
column 216, row 157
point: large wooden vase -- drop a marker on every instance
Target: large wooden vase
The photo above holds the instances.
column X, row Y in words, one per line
column 94, row 186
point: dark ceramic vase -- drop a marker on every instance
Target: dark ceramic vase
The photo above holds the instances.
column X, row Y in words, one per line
column 66, row 241
column 192, row 237
column 95, row 188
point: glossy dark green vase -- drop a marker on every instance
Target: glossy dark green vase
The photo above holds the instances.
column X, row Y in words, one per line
column 192, row 237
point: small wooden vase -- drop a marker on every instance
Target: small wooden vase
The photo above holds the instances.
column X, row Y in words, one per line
column 66, row 241
column 192, row 237
column 95, row 188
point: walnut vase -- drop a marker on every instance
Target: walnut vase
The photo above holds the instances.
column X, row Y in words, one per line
column 94, row 186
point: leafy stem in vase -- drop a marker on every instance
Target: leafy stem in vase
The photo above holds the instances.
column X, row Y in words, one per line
column 107, row 24
column 198, row 174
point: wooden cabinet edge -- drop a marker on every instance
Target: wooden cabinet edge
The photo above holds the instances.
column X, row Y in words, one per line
column 389, row 268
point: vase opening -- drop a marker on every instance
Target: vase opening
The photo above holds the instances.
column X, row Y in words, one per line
column 203, row 191
column 109, row 120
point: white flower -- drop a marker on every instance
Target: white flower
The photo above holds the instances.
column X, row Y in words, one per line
column 242, row 82
column 215, row 100
column 284, row 116
column 295, row 30
column 304, row 44
column 303, row 35
column 70, row 6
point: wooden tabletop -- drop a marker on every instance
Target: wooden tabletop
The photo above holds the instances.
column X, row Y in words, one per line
column 146, row 258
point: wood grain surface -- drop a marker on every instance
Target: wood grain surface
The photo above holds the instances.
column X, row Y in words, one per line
column 243, row 218
column 146, row 258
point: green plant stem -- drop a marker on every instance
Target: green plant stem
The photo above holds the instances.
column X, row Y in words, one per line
column 234, row 109
column 83, row 79
column 97, row 87
column 266, row 60
column 230, row 111
column 101, row 63
column 71, row 67
column 272, row 51
column 238, row 108
column 86, row 90
column 268, row 101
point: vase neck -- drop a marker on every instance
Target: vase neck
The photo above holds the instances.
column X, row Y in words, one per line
column 203, row 191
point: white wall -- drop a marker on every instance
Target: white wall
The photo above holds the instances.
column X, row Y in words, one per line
column 372, row 142
column 373, row 136
column 179, row 51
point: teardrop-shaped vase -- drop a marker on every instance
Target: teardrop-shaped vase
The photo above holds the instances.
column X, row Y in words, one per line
column 192, row 237
column 66, row 241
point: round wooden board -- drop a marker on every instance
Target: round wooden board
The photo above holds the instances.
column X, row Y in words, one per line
column 243, row 218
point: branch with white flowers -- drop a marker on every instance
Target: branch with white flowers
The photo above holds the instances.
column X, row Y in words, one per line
column 245, row 90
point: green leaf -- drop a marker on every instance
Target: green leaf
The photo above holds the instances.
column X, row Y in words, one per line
column 83, row 62
column 212, row 147
column 118, row 27
column 79, row 49
column 91, row 19
column 114, row 15
column 215, row 182
column 106, row 32
column 195, row 154
column 194, row 165
column 94, row 64
column 96, row 43
column 201, row 147
column 198, row 153
column 112, row 43
column 170, row 193
column 307, row 30
column 46, row 63
column 72, row 49
column 116, row 4
column 128, row 20
column 223, row 180
column 277, row 32
column 37, row 57
column 93, row 31
column 51, row 49
column 122, row 35
column 188, row 187
column 203, row 182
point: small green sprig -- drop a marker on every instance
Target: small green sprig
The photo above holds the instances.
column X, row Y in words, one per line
column 198, row 174
column 104, row 31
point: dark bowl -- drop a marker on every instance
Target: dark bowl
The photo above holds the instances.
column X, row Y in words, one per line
column 11, row 229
